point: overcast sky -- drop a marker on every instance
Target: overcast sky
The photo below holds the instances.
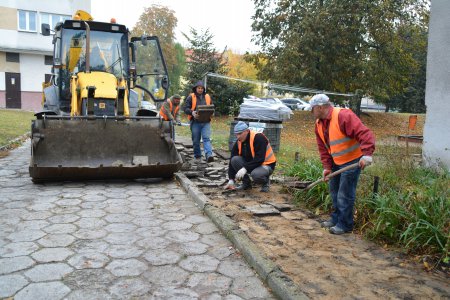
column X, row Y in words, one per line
column 229, row 21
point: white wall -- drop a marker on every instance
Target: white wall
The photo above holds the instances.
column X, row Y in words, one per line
column 436, row 147
column 32, row 72
column 62, row 7
column 2, row 81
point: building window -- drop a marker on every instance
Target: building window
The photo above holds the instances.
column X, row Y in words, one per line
column 12, row 57
column 48, row 60
column 26, row 20
column 52, row 19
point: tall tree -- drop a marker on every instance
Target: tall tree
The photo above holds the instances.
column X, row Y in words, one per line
column 203, row 58
column 339, row 45
column 160, row 21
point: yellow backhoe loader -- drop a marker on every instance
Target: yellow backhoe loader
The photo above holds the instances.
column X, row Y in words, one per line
column 91, row 126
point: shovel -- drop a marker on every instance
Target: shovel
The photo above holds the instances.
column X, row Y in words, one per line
column 349, row 167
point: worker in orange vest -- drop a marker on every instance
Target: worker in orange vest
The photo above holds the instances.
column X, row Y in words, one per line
column 342, row 140
column 170, row 110
column 251, row 155
column 200, row 130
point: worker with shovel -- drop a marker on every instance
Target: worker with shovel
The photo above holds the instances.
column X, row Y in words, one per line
column 342, row 141
column 251, row 155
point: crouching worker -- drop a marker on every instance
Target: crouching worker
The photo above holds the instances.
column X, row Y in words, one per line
column 252, row 159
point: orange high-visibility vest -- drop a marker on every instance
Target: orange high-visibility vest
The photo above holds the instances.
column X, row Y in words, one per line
column 162, row 111
column 194, row 102
column 342, row 148
column 270, row 156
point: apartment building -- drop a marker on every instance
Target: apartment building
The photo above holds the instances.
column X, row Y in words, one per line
column 25, row 54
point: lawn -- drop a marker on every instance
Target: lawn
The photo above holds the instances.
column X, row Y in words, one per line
column 14, row 123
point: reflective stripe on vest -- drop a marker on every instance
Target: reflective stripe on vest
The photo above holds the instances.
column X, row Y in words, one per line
column 162, row 111
column 269, row 158
column 342, row 148
column 194, row 102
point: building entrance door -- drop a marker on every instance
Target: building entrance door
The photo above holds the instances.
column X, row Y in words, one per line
column 12, row 84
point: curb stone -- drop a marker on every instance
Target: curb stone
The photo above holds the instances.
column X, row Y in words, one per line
column 282, row 286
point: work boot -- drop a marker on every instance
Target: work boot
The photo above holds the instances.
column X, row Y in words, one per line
column 327, row 224
column 265, row 187
column 210, row 158
column 246, row 185
column 338, row 230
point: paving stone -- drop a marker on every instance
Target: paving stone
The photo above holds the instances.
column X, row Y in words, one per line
column 126, row 267
column 93, row 198
column 249, row 287
column 176, row 225
column 204, row 283
column 146, row 221
column 90, row 234
column 154, row 243
column 121, row 238
column 174, row 293
column 214, row 240
column 10, row 265
column 166, row 275
column 130, row 288
column 161, row 257
column 88, row 294
column 120, row 227
column 90, row 223
column 52, row 254
column 18, row 249
column 193, row 248
column 89, row 279
column 60, row 228
column 37, row 215
column 146, row 232
column 118, row 218
column 123, row 251
column 66, row 210
column 87, row 246
column 235, row 268
column 43, row 291
column 172, row 217
column 221, row 252
column 41, row 206
column 56, row 240
column 68, row 202
column 183, row 236
column 11, row 284
column 206, row 228
column 48, row 272
column 93, row 205
column 91, row 213
column 64, row 218
column 26, row 235
column 34, row 224
column 199, row 263
column 197, row 219
column 88, row 260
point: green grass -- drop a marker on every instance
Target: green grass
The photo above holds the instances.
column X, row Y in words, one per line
column 14, row 123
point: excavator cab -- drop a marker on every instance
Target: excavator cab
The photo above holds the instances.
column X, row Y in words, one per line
column 91, row 126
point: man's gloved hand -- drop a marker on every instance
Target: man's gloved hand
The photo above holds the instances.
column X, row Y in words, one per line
column 325, row 173
column 178, row 123
column 195, row 114
column 240, row 174
column 230, row 185
column 365, row 161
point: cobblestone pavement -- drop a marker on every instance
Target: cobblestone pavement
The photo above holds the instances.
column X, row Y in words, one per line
column 111, row 240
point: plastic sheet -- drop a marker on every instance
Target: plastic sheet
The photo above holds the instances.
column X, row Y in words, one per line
column 264, row 109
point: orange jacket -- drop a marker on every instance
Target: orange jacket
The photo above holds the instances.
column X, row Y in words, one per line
column 194, row 102
column 341, row 148
column 163, row 113
column 269, row 157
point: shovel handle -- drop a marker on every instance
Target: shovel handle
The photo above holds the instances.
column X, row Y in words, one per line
column 349, row 167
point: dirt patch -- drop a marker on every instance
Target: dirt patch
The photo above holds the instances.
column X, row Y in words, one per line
column 325, row 266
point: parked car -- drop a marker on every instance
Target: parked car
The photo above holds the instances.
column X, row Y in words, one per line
column 147, row 105
column 296, row 104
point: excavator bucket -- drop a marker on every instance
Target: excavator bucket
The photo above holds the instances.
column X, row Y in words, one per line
column 103, row 148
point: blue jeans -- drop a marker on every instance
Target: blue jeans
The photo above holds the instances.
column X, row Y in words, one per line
column 343, row 194
column 201, row 131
